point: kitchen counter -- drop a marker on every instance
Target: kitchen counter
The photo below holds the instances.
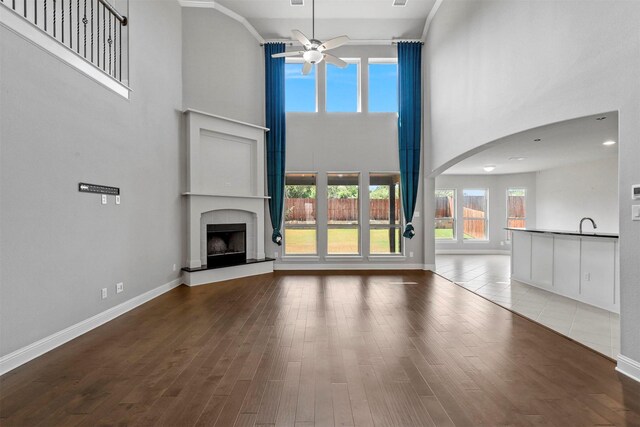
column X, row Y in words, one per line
column 565, row 232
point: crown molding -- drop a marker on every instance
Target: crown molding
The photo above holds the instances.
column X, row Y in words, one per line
column 430, row 17
column 211, row 4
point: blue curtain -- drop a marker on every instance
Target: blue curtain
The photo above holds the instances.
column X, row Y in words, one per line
column 409, row 126
column 276, row 122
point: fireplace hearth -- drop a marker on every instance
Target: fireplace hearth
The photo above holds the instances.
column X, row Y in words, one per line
column 226, row 245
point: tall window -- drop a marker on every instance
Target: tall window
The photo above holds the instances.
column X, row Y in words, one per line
column 384, row 214
column 475, row 218
column 343, row 87
column 300, row 225
column 445, row 222
column 343, row 228
column 383, row 85
column 300, row 90
column 516, row 209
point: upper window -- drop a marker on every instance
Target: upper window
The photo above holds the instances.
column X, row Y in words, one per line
column 475, row 214
column 383, row 86
column 343, row 87
column 300, row 90
column 385, row 236
column 343, row 228
column 516, row 209
column 445, row 218
column 300, row 225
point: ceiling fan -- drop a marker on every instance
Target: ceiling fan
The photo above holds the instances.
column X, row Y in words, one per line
column 315, row 50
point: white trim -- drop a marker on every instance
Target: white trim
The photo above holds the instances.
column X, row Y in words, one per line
column 387, row 257
column 227, row 119
column 31, row 33
column 205, row 277
column 430, row 17
column 226, row 11
column 628, row 367
column 40, row 347
column 233, row 196
column 347, row 266
column 472, row 252
column 429, row 267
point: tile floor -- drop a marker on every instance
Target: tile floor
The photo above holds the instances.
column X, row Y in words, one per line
column 489, row 276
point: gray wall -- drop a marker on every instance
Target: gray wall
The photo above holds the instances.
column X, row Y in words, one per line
column 222, row 66
column 495, row 68
column 567, row 194
column 497, row 213
column 346, row 142
column 59, row 247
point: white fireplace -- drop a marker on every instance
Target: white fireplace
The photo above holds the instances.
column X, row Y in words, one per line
column 225, row 185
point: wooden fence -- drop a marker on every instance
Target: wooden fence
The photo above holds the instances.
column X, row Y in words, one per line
column 339, row 209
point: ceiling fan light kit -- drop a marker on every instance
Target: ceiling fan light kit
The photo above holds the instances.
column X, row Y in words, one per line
column 314, row 50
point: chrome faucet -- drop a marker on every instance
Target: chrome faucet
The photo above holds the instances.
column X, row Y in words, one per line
column 589, row 219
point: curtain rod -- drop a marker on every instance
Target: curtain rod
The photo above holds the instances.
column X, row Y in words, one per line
column 379, row 42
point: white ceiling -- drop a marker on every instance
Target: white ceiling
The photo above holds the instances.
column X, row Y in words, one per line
column 569, row 142
column 359, row 19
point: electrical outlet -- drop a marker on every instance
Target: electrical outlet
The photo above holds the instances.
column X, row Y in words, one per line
column 104, row 293
column 410, row 254
column 587, row 277
column 117, row 200
column 119, row 287
column 174, row 267
column 104, row 199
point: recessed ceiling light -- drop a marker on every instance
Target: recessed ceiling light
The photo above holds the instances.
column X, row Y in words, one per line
column 609, row 142
column 601, row 118
column 537, row 140
column 517, row 158
column 399, row 2
column 489, row 168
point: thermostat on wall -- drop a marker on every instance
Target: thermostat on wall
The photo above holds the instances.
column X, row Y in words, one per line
column 635, row 191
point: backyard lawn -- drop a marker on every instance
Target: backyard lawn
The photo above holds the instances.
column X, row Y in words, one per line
column 341, row 241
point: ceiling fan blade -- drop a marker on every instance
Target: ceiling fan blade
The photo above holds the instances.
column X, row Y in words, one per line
column 335, row 60
column 306, row 68
column 334, row 43
column 286, row 54
column 301, row 38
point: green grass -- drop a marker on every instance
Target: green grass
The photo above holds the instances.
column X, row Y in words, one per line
column 340, row 241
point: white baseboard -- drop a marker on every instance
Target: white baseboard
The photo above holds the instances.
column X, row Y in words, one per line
column 298, row 266
column 628, row 367
column 472, row 252
column 40, row 347
column 429, row 267
column 204, row 277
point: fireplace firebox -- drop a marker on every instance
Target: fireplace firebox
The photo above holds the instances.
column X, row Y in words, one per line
column 226, row 245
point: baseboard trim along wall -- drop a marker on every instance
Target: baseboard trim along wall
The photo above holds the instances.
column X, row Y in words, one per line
column 40, row 347
column 472, row 252
column 628, row 367
column 346, row 266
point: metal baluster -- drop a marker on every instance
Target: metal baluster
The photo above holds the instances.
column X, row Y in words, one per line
column 35, row 11
column 54, row 19
column 13, row 4
column 104, row 37
column 45, row 14
column 92, row 30
column 70, row 24
column 120, row 51
column 62, row 20
column 110, row 42
column 25, row 8
column 98, row 34
column 84, row 26
column 115, row 44
column 78, row 27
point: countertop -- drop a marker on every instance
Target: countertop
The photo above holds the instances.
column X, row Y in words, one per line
column 564, row 232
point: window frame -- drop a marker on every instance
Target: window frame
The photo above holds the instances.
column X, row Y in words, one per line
column 379, row 61
column 289, row 60
column 454, row 219
column 344, row 226
column 507, row 208
column 487, row 236
column 358, row 63
column 399, row 226
column 299, row 226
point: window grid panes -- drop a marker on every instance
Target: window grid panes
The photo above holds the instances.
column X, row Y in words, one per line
column 300, row 90
column 385, row 214
column 445, row 216
column 383, row 86
column 343, row 214
column 343, row 87
column 516, row 209
column 300, row 214
column 474, row 213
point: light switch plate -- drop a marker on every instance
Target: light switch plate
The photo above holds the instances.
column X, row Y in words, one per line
column 416, row 214
column 104, row 199
column 117, row 200
column 635, row 212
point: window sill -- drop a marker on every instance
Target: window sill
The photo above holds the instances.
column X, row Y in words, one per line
column 300, row 258
column 477, row 241
column 399, row 257
column 343, row 257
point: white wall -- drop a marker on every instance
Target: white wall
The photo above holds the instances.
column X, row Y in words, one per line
column 567, row 194
column 359, row 142
column 58, row 127
column 497, row 186
column 499, row 67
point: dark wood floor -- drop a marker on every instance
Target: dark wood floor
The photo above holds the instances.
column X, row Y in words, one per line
column 320, row 349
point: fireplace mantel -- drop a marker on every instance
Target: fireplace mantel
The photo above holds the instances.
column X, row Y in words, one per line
column 225, row 173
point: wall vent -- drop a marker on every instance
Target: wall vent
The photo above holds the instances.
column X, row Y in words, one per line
column 297, row 2
column 395, row 2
